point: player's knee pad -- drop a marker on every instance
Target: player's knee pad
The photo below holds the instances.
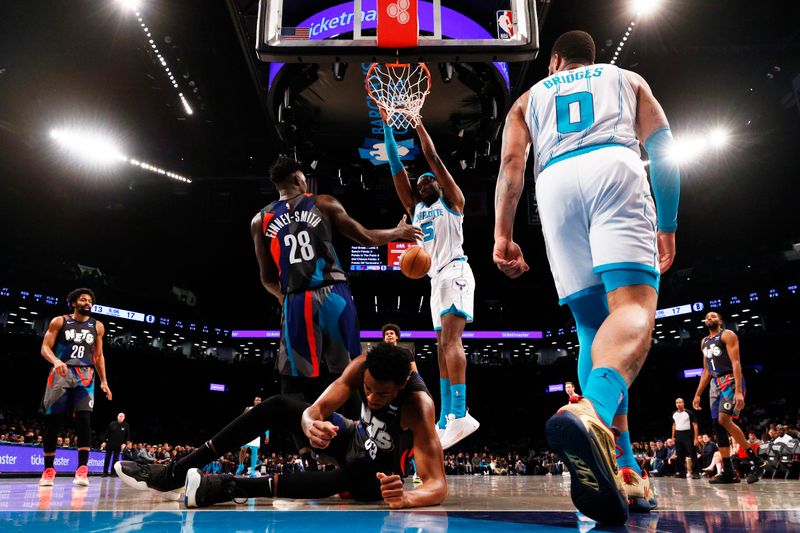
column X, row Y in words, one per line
column 52, row 426
column 83, row 428
column 723, row 440
column 589, row 312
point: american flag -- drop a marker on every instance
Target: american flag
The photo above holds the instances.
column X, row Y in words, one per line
column 295, row 33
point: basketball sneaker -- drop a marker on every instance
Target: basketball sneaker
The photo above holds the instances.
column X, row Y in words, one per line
column 47, row 478
column 640, row 493
column 202, row 491
column 416, row 480
column 586, row 445
column 724, row 478
column 759, row 468
column 81, row 476
column 458, row 429
column 158, row 479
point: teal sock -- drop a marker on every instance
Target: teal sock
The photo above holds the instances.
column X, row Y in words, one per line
column 605, row 388
column 458, row 400
column 626, row 458
column 444, row 392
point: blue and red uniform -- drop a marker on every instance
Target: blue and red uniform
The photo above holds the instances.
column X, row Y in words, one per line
column 723, row 383
column 319, row 316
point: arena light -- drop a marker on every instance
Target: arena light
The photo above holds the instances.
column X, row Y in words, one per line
column 645, row 7
column 94, row 148
column 129, row 5
column 718, row 137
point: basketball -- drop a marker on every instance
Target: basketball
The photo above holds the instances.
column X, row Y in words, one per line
column 415, row 262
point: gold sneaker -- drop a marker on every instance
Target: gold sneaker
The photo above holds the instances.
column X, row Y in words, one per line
column 641, row 497
column 587, row 446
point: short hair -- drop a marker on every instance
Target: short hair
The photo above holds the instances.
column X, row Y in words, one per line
column 73, row 296
column 391, row 327
column 387, row 362
column 283, row 169
column 575, row 45
column 569, row 383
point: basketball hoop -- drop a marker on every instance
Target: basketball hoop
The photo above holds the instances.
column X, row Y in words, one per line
column 400, row 90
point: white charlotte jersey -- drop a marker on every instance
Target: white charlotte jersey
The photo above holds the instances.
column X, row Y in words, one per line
column 443, row 233
column 581, row 109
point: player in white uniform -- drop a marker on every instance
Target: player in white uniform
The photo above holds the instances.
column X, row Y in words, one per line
column 437, row 207
column 605, row 245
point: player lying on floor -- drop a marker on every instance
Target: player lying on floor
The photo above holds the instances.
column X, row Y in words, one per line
column 398, row 414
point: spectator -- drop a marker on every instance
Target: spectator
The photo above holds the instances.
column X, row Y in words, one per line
column 783, row 437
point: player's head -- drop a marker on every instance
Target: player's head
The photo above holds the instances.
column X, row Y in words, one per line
column 256, row 400
column 287, row 173
column 391, row 333
column 386, row 372
column 81, row 300
column 428, row 188
column 679, row 404
column 573, row 47
column 569, row 388
column 121, row 418
column 713, row 320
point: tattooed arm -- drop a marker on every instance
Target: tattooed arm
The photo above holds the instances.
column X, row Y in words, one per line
column 507, row 254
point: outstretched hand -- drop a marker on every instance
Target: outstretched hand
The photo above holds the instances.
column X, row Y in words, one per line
column 409, row 232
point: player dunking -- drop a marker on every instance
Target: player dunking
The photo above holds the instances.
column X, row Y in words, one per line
column 437, row 207
column 722, row 366
column 585, row 122
column 73, row 344
column 293, row 244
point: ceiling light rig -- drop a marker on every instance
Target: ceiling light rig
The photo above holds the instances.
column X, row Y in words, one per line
column 170, row 75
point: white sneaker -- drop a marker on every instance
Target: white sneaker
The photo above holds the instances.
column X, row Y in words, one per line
column 439, row 431
column 458, row 429
column 416, row 480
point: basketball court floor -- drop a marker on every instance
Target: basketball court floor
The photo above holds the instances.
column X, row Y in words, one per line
column 475, row 503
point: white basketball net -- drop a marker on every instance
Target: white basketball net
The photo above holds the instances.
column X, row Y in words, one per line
column 399, row 89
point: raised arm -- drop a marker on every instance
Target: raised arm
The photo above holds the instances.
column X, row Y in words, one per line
column 428, row 457
column 267, row 269
column 449, row 186
column 507, row 254
column 349, row 227
column 402, row 186
column 314, row 421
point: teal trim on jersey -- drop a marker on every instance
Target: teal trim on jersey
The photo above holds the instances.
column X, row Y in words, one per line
column 287, row 337
column 581, row 151
column 616, row 275
column 447, row 208
column 594, row 289
column 453, row 310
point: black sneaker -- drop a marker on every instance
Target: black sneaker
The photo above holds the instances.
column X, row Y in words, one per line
column 759, row 468
column 155, row 478
column 695, row 475
column 202, row 491
column 724, row 478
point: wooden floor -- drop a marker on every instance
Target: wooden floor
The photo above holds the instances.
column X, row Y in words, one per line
column 496, row 503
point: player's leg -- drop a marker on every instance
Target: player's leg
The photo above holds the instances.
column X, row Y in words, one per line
column 277, row 412
column 727, row 412
column 339, row 337
column 83, row 405
column 54, row 406
column 444, row 377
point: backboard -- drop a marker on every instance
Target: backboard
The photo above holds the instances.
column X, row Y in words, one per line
column 315, row 31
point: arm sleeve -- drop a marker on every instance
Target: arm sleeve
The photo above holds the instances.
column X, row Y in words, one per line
column 666, row 178
column 395, row 165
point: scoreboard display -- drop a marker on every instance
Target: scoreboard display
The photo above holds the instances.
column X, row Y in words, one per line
column 378, row 258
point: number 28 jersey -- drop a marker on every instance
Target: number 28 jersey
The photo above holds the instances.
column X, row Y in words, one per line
column 581, row 109
column 299, row 240
column 76, row 341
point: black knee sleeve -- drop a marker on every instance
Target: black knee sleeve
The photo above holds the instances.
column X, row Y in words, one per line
column 52, row 427
column 361, row 481
column 723, row 440
column 320, row 484
column 83, row 428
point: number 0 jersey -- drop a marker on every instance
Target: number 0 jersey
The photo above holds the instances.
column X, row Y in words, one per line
column 299, row 240
column 581, row 109
column 76, row 341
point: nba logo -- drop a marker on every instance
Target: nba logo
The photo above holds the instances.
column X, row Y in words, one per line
column 505, row 24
